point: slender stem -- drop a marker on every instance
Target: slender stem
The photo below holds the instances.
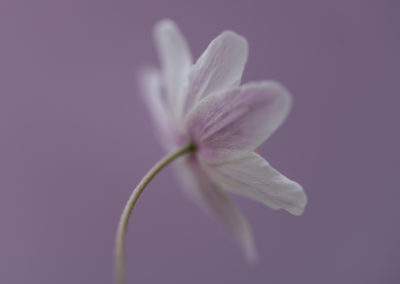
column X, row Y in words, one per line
column 123, row 223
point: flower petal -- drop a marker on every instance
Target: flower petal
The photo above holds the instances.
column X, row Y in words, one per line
column 218, row 68
column 175, row 58
column 215, row 201
column 232, row 122
column 150, row 88
column 149, row 82
column 251, row 176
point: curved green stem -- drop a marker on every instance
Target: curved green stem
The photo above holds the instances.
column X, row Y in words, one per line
column 123, row 223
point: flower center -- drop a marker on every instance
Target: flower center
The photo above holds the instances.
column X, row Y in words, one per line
column 191, row 146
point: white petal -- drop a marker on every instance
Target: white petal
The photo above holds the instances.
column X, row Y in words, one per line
column 218, row 68
column 175, row 59
column 251, row 176
column 216, row 202
column 236, row 121
column 150, row 88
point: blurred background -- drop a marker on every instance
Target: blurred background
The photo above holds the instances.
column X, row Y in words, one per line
column 75, row 138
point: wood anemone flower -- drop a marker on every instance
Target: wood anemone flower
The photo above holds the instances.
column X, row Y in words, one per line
column 203, row 103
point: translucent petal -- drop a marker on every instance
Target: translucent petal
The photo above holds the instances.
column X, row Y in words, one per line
column 216, row 202
column 251, row 176
column 228, row 123
column 219, row 67
column 151, row 91
column 175, row 58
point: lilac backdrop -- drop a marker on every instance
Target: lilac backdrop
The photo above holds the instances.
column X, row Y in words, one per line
column 75, row 138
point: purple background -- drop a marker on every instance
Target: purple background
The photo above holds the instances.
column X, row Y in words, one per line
column 75, row 138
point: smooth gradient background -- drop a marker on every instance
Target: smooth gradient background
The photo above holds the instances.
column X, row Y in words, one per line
column 75, row 138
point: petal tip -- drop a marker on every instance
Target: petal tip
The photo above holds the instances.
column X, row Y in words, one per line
column 250, row 253
column 280, row 89
column 235, row 36
column 232, row 40
column 164, row 24
column 145, row 78
column 300, row 203
column 239, row 40
column 164, row 29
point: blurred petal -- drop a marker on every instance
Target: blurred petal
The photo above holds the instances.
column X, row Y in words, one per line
column 215, row 201
column 251, row 176
column 175, row 58
column 150, row 89
column 218, row 68
column 229, row 123
column 149, row 82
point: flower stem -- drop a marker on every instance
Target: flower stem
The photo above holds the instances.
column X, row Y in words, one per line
column 123, row 223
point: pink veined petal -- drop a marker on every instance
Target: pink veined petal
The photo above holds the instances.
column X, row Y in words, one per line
column 232, row 122
column 175, row 58
column 251, row 176
column 219, row 67
column 216, row 202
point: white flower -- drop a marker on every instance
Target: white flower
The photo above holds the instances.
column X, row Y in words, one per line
column 203, row 103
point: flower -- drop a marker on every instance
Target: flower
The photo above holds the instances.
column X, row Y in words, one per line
column 205, row 104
